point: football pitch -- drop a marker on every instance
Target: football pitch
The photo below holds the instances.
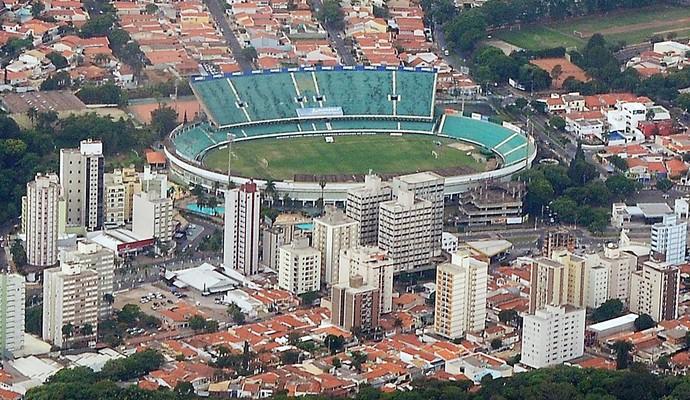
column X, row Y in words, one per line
column 282, row 159
column 629, row 26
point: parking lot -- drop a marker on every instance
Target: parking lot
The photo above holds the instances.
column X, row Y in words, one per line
column 154, row 298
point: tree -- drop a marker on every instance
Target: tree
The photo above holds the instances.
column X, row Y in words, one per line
column 58, row 60
column 580, row 170
column 309, row 298
column 663, row 363
column 621, row 187
column 151, row 8
column 335, row 344
column 18, row 254
column 236, row 314
column 134, row 366
column 508, row 316
column 129, row 314
column 98, row 25
column 68, row 330
column 86, row 330
column 336, row 362
column 622, row 349
column 466, row 30
column 290, row 357
column 358, row 359
column 644, row 322
column 609, row 309
column 618, row 162
column 33, row 320
column 520, row 103
column 108, row 93
column 250, row 53
column 557, row 123
column 664, row 184
column 496, row 344
column 58, row 81
column 331, row 15
column 109, row 298
column 556, row 72
column 197, row 323
column 37, row 8
column 163, row 120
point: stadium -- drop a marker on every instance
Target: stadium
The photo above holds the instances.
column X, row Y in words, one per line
column 301, row 127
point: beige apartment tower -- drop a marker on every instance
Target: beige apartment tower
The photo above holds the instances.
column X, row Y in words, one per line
column 333, row 233
column 355, row 305
column 428, row 186
column 241, row 230
column 41, row 213
column 81, row 177
column 374, row 266
column 363, row 206
column 548, row 284
column 299, row 267
column 654, row 290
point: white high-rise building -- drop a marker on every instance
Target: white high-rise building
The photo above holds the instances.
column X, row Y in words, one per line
column 363, row 207
column 427, row 186
column 374, row 266
column 81, row 177
column 114, row 203
column 654, row 290
column 619, row 266
column 241, row 232
column 12, row 302
column 596, row 285
column 41, row 213
column 299, row 267
column 153, row 216
column 92, row 256
column 70, row 304
column 669, row 239
column 460, row 296
column 575, row 295
column 406, row 230
column 553, row 335
column 333, row 233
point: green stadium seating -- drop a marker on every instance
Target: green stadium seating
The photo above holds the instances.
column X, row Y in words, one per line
column 268, row 96
column 417, row 126
column 412, row 89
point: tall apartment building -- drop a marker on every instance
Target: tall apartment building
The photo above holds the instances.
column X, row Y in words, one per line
column 575, row 295
column 12, row 302
column 153, row 216
column 406, row 230
column 553, row 335
column 654, row 290
column 669, row 239
column 548, row 283
column 374, row 266
column 333, row 233
column 460, row 296
column 427, row 186
column 355, row 305
column 92, row 256
column 81, row 177
column 114, row 202
column 299, row 267
column 40, row 219
column 596, row 285
column 559, row 239
column 619, row 266
column 241, row 232
column 130, row 179
column 70, row 304
column 363, row 207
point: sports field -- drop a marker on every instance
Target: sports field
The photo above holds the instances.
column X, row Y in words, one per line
column 282, row 159
column 630, row 26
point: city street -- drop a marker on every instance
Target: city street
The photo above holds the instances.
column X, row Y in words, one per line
column 220, row 17
column 336, row 38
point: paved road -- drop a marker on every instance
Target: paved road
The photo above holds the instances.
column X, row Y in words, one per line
column 336, row 37
column 218, row 13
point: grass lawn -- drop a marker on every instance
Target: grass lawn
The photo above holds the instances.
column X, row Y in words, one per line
column 281, row 159
column 630, row 26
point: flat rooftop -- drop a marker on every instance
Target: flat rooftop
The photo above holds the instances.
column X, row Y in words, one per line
column 58, row 100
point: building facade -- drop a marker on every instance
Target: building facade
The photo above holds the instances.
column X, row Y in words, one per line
column 241, row 231
column 41, row 213
column 427, row 186
column 460, row 296
column 12, row 303
column 374, row 266
column 406, row 230
column 492, row 204
column 81, row 177
column 299, row 268
column 552, row 336
column 355, row 305
column 669, row 239
column 619, row 267
column 70, row 305
column 114, row 202
column 654, row 290
column 363, row 206
column 548, row 284
column 333, row 233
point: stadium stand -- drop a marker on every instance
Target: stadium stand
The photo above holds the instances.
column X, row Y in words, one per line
column 239, row 99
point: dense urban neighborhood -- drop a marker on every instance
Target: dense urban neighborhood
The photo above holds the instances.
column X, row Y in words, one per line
column 368, row 199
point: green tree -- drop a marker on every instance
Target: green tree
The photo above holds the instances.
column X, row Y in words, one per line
column 466, row 30
column 37, row 8
column 33, row 320
column 557, row 123
column 508, row 316
column 151, row 8
column 622, row 349
column 618, row 163
column 643, row 322
column 184, row 388
column 358, row 359
column 18, row 254
column 58, row 60
column 664, row 184
column 331, row 15
column 496, row 344
column 335, row 344
column 309, row 298
column 58, row 81
column 68, row 330
column 129, row 314
column 609, row 309
column 163, row 120
column 250, row 53
column 197, row 323
column 290, row 357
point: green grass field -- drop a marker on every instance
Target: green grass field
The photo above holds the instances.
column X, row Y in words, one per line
column 630, row 26
column 281, row 159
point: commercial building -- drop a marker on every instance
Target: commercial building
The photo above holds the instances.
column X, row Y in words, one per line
column 427, row 186
column 460, row 296
column 81, row 177
column 406, row 230
column 12, row 302
column 619, row 267
column 363, row 207
column 669, row 239
column 553, row 335
column 548, row 283
column 241, row 232
column 654, row 290
column 92, row 256
column 374, row 266
column 299, row 267
column 40, row 219
column 492, row 204
column 70, row 305
column 333, row 233
column 152, row 209
column 355, row 305
column 114, row 203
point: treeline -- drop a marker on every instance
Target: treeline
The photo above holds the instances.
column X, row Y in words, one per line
column 23, row 153
column 557, row 383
